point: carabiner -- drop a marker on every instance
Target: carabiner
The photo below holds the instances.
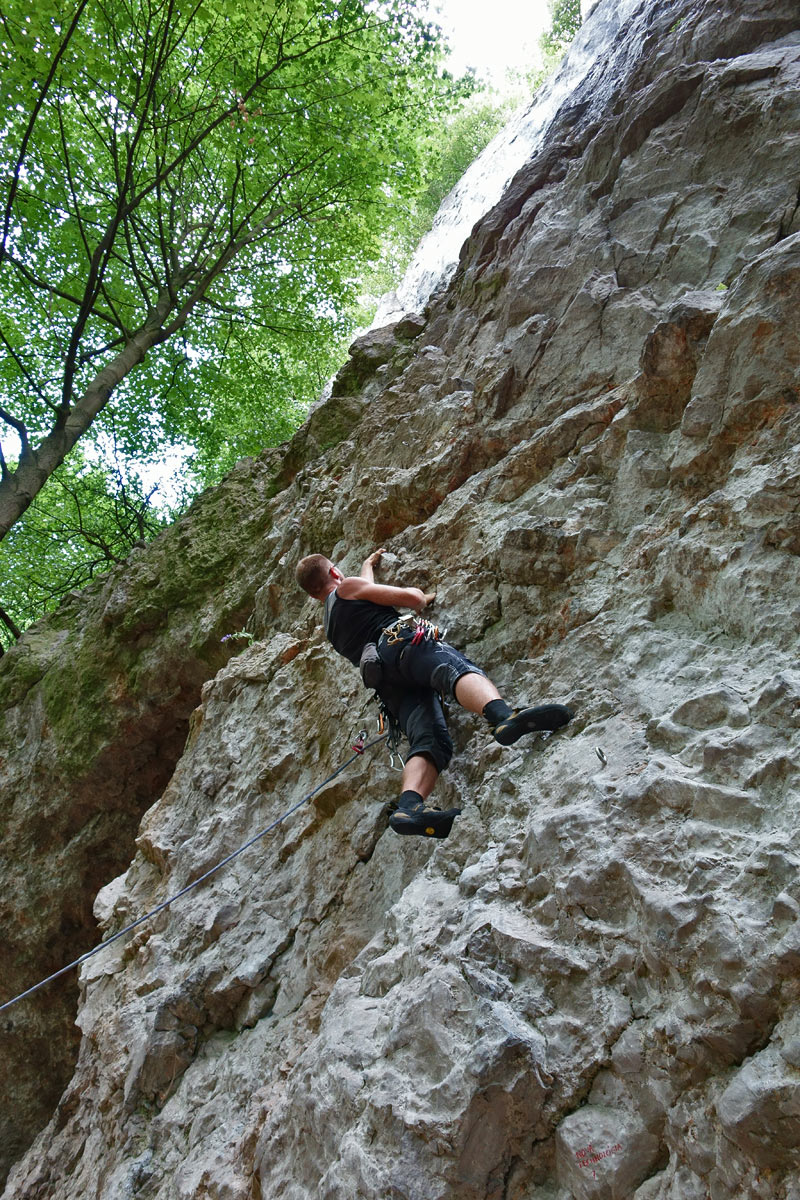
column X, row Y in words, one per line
column 396, row 754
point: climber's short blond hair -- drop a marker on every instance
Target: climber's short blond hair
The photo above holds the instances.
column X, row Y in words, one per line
column 312, row 573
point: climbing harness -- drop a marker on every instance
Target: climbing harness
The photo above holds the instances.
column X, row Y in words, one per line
column 358, row 751
column 414, row 629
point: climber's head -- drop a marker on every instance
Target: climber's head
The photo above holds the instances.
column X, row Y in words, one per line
column 317, row 575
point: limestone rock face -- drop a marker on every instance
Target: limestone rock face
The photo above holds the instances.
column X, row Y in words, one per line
column 588, row 446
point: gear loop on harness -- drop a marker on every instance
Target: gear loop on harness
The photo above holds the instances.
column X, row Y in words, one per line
column 413, row 629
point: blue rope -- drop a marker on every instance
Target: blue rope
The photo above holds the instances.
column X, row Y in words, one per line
column 196, row 883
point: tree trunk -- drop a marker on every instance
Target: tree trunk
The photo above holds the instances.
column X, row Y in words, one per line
column 19, row 488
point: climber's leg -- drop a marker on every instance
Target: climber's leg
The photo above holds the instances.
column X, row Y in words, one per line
column 509, row 725
column 479, row 695
column 430, row 749
column 474, row 692
column 419, row 776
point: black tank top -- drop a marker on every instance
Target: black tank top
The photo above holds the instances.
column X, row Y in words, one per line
column 350, row 624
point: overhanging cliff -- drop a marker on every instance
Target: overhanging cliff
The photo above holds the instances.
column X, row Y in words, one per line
column 588, row 445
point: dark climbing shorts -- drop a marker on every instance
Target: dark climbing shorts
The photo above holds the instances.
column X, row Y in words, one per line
column 413, row 678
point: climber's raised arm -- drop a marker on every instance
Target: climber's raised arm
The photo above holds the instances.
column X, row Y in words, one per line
column 366, row 571
column 364, row 587
column 319, row 577
column 355, row 587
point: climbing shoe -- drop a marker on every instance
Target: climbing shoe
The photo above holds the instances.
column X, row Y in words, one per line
column 412, row 817
column 547, row 717
column 426, row 822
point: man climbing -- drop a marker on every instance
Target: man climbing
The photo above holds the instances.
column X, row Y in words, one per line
column 409, row 665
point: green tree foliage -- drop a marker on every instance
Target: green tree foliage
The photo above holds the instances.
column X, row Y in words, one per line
column 554, row 43
column 88, row 519
column 565, row 23
column 182, row 182
column 189, row 197
column 449, row 151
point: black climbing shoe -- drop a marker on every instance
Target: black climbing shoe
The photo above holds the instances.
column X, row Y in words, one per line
column 417, row 820
column 547, row 717
column 427, row 822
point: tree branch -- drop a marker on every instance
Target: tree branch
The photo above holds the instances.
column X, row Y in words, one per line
column 43, row 286
column 30, row 381
column 91, row 538
column 88, row 355
column 26, row 137
column 99, row 260
column 10, row 625
column 76, row 208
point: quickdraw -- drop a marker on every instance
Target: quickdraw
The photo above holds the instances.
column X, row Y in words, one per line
column 388, row 725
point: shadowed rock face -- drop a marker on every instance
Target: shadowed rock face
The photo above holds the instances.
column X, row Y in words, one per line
column 589, row 449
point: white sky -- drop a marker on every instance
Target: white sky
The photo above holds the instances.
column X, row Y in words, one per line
column 492, row 35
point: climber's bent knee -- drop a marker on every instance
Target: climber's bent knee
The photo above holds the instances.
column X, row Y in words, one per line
column 424, row 725
column 452, row 666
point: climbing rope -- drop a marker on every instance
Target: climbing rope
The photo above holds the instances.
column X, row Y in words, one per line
column 359, row 750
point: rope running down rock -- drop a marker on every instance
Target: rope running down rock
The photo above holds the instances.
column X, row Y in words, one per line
column 359, row 750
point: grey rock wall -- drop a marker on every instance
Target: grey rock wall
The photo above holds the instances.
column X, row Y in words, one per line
column 590, row 450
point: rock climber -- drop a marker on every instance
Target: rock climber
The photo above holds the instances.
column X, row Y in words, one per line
column 411, row 667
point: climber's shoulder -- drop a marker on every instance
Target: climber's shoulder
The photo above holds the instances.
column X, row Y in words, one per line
column 356, row 588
